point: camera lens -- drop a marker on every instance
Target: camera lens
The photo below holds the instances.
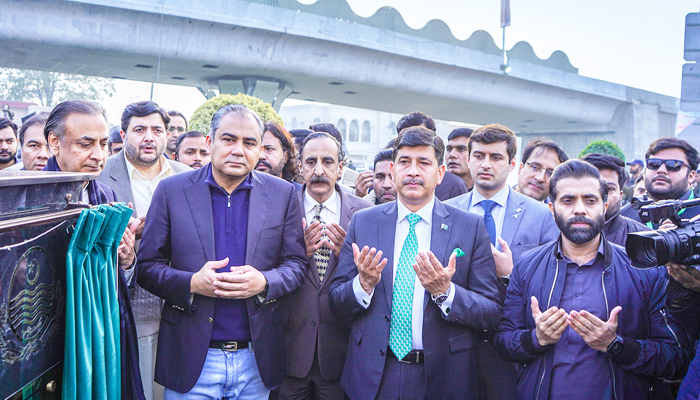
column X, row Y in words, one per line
column 654, row 248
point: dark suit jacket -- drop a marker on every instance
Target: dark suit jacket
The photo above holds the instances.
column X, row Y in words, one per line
column 450, row 187
column 311, row 323
column 448, row 341
column 178, row 240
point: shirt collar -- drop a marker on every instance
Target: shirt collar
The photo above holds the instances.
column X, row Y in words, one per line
column 331, row 203
column 501, row 197
column 426, row 213
column 164, row 170
column 245, row 185
column 600, row 253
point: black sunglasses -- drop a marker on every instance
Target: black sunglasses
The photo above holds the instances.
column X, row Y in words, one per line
column 671, row 165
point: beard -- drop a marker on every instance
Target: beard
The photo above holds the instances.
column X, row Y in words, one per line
column 134, row 155
column 580, row 235
column 6, row 157
column 612, row 211
column 272, row 170
column 675, row 191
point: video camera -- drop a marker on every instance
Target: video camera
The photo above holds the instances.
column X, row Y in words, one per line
column 654, row 248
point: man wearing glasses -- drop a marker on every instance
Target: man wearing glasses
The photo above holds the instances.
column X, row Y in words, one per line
column 540, row 157
column 178, row 126
column 671, row 165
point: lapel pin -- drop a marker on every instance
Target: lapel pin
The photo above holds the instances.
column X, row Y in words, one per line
column 444, row 227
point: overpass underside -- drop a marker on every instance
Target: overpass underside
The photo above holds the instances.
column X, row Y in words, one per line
column 274, row 53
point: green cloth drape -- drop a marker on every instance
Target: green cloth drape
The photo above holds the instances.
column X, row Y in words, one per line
column 92, row 361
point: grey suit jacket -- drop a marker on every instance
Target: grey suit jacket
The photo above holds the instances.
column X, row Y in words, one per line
column 116, row 176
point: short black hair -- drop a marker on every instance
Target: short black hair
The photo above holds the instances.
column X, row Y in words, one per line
column 384, row 155
column 291, row 168
column 34, row 120
column 416, row 118
column 4, row 123
column 674, row 143
column 181, row 138
column 390, row 144
column 174, row 113
column 544, row 143
column 576, row 169
column 604, row 161
column 420, row 136
column 639, row 178
column 114, row 137
column 495, row 133
column 460, row 132
column 56, row 122
column 328, row 128
column 320, row 135
column 143, row 109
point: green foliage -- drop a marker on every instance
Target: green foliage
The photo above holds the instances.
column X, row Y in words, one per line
column 50, row 88
column 201, row 120
column 603, row 147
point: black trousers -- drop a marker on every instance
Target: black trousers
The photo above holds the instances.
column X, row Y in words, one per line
column 311, row 387
column 402, row 381
column 497, row 377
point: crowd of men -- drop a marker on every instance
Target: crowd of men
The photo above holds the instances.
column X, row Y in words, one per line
column 249, row 271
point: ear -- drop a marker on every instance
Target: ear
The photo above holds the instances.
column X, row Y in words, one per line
column 551, row 207
column 511, row 167
column 209, row 142
column 340, row 169
column 123, row 135
column 520, row 169
column 441, row 173
column 54, row 143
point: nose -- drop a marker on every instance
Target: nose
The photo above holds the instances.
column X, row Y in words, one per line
column 44, row 153
column 4, row 144
column 198, row 156
column 580, row 208
column 388, row 182
column 237, row 148
column 541, row 175
column 318, row 169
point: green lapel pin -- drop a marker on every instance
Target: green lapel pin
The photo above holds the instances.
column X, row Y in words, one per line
column 458, row 252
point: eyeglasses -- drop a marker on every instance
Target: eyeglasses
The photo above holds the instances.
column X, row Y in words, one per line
column 536, row 168
column 671, row 165
column 172, row 129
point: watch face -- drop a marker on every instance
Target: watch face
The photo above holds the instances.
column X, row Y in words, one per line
column 616, row 348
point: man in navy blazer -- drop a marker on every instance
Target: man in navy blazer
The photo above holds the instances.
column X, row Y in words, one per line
column 413, row 321
column 221, row 246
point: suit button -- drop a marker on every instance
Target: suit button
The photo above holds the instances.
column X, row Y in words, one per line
column 313, row 323
column 381, row 353
column 211, row 319
column 387, row 318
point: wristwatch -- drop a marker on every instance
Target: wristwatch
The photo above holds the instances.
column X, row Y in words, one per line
column 440, row 298
column 504, row 280
column 616, row 346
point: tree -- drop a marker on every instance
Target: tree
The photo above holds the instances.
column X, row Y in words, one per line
column 49, row 88
column 201, row 119
column 603, row 147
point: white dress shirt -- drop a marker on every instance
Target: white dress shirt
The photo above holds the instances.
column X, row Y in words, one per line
column 498, row 212
column 423, row 233
column 331, row 208
column 143, row 188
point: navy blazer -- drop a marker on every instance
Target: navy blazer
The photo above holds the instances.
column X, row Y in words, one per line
column 448, row 341
column 178, row 240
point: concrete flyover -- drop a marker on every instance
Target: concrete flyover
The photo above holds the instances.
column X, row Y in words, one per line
column 324, row 52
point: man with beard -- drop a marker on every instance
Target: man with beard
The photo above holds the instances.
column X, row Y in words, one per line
column 458, row 155
column 35, row 150
column 540, row 157
column 383, row 185
column 115, row 143
column 8, row 143
column 636, row 167
column 515, row 223
column 315, row 340
column 617, row 226
column 134, row 174
column 578, row 319
column 176, row 127
column 191, row 149
column 671, row 165
column 277, row 156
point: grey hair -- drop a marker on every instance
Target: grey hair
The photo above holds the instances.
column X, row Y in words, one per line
column 56, row 122
column 237, row 109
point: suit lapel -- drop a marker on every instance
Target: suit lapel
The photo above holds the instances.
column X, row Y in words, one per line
column 386, row 234
column 312, row 271
column 346, row 212
column 440, row 232
column 258, row 207
column 514, row 213
column 120, row 175
column 199, row 200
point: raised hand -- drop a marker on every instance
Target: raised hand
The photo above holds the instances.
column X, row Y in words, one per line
column 369, row 264
column 597, row 334
column 432, row 275
column 550, row 324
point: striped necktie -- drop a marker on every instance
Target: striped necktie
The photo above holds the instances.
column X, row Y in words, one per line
column 323, row 254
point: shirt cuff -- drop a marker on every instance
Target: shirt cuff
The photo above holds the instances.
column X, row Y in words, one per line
column 129, row 273
column 447, row 305
column 360, row 295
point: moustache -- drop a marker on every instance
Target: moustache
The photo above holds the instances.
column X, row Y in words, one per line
column 319, row 179
column 5, row 152
column 413, row 181
column 580, row 218
column 263, row 162
column 661, row 178
column 196, row 164
column 147, row 146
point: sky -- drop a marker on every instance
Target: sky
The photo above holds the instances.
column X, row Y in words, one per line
column 636, row 43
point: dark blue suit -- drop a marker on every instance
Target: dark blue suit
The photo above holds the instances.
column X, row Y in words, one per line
column 448, row 341
column 178, row 240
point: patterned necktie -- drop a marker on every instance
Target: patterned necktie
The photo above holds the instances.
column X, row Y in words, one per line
column 488, row 205
column 401, row 334
column 323, row 254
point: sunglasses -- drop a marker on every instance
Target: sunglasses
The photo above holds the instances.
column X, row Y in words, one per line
column 671, row 165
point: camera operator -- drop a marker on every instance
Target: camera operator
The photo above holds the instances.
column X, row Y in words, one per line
column 670, row 171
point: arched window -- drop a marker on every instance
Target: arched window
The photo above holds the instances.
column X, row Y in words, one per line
column 354, row 133
column 366, row 132
column 343, row 129
column 317, row 121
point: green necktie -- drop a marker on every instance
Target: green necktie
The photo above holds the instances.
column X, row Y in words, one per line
column 323, row 254
column 401, row 336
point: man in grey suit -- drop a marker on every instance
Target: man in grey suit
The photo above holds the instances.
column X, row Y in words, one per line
column 416, row 281
column 134, row 174
column 515, row 223
column 315, row 340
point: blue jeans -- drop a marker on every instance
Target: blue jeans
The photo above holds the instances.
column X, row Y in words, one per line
column 226, row 375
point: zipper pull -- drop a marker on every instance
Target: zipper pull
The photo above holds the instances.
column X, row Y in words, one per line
column 229, row 201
